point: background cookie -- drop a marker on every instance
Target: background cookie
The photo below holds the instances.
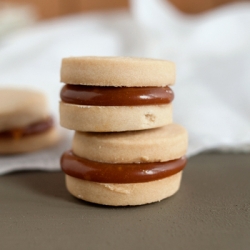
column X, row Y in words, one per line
column 29, row 143
column 20, row 107
column 25, row 123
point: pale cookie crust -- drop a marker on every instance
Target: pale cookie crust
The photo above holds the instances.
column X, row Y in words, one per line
column 114, row 118
column 19, row 108
column 29, row 143
column 117, row 71
column 154, row 145
column 124, row 194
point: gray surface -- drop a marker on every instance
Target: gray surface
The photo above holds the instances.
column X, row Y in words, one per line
column 211, row 211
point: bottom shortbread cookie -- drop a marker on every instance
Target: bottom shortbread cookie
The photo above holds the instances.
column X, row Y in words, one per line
column 29, row 143
column 124, row 194
column 114, row 118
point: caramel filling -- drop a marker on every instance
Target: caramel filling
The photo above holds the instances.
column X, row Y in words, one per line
column 35, row 128
column 82, row 168
column 116, row 96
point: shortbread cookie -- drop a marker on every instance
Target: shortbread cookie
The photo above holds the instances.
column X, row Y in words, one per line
column 25, row 124
column 114, row 118
column 117, row 71
column 114, row 194
column 29, row 143
column 154, row 145
column 121, row 184
column 19, row 108
column 115, row 94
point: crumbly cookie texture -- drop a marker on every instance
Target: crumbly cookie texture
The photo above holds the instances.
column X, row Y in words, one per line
column 124, row 194
column 114, row 118
column 117, row 71
column 154, row 145
column 19, row 108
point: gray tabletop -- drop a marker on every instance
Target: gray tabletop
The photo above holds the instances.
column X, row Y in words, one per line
column 211, row 211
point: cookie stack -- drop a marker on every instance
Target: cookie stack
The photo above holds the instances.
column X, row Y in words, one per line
column 126, row 150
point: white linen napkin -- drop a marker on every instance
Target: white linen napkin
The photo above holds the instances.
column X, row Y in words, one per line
column 211, row 51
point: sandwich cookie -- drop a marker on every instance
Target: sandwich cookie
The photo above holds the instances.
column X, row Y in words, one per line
column 25, row 124
column 126, row 168
column 116, row 94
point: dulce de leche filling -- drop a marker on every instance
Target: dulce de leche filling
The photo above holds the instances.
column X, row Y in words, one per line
column 35, row 128
column 84, row 169
column 116, row 96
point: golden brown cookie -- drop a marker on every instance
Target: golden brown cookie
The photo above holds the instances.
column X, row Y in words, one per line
column 114, row 118
column 153, row 145
column 124, row 194
column 117, row 71
column 25, row 123
column 108, row 94
column 29, row 143
column 21, row 107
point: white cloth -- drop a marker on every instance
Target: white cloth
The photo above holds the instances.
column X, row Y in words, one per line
column 211, row 51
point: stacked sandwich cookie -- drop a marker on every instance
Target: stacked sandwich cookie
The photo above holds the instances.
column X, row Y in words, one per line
column 25, row 123
column 126, row 150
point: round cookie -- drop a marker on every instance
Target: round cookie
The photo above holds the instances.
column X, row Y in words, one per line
column 153, row 145
column 25, row 124
column 29, row 143
column 124, row 194
column 114, row 118
column 19, row 108
column 117, row 71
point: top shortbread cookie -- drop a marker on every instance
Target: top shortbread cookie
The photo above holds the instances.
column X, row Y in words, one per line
column 117, row 71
